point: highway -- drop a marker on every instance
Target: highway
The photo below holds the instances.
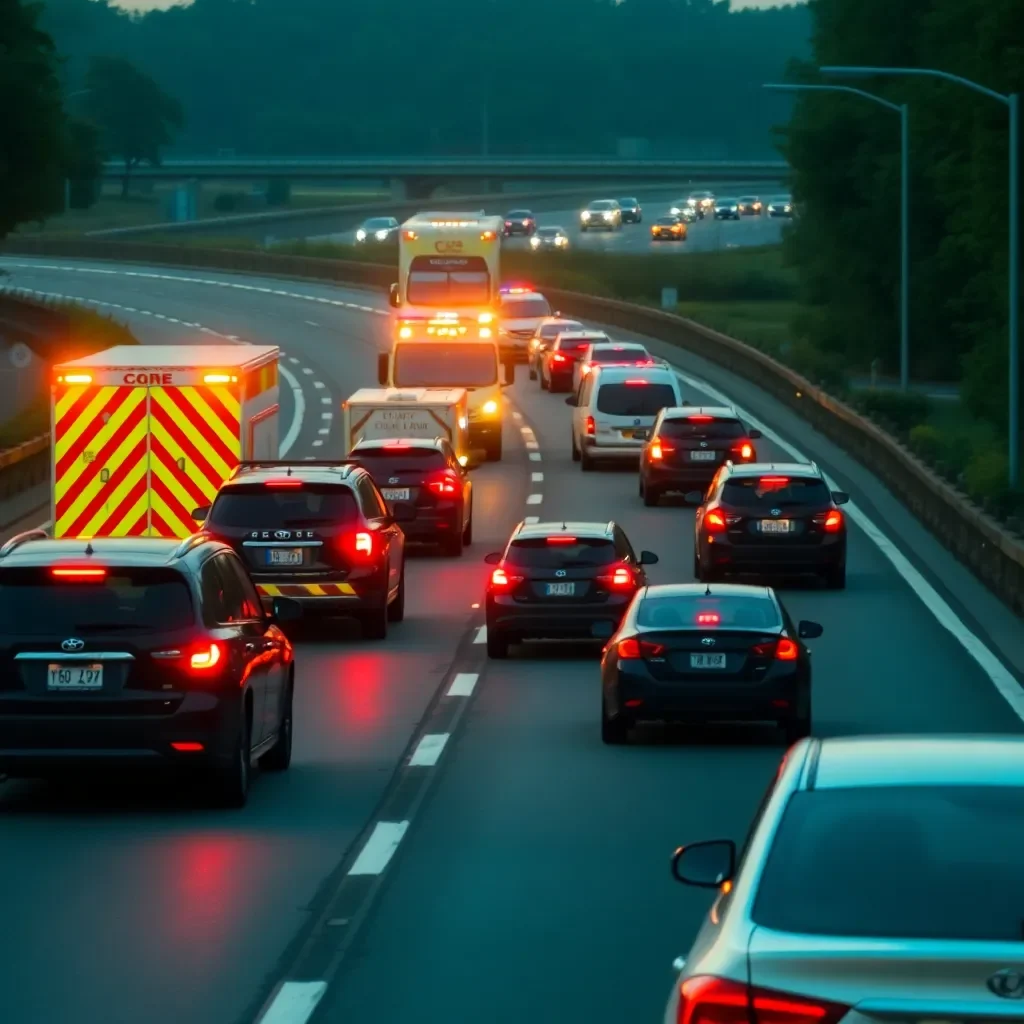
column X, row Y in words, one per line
column 532, row 878
column 703, row 235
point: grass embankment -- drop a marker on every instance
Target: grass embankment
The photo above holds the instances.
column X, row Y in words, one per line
column 89, row 332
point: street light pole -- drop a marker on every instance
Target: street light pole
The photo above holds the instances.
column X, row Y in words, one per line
column 1012, row 103
column 904, row 111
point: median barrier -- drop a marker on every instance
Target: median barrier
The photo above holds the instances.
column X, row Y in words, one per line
column 994, row 554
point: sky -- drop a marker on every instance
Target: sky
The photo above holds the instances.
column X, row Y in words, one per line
column 149, row 5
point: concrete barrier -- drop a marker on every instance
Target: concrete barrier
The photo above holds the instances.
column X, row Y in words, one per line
column 994, row 554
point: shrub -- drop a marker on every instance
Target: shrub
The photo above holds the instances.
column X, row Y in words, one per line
column 279, row 192
column 229, row 202
column 927, row 442
column 903, row 409
column 987, row 476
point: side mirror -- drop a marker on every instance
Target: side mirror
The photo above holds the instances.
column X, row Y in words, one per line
column 493, row 558
column 403, row 511
column 648, row 558
column 840, row 497
column 383, row 359
column 284, row 609
column 754, row 435
column 808, row 630
column 200, row 514
column 571, row 400
column 695, row 497
column 705, row 865
column 393, row 296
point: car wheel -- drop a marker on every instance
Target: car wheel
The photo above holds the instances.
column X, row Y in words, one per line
column 543, row 382
column 835, row 579
column 467, row 533
column 705, row 575
column 614, row 731
column 453, row 545
column 279, row 757
column 696, row 567
column 493, row 450
column 575, row 450
column 651, row 496
column 586, row 462
column 497, row 644
column 396, row 610
column 231, row 785
column 375, row 623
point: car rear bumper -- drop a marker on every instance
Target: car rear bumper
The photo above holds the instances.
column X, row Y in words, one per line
column 433, row 524
column 798, row 558
column 35, row 738
column 481, row 432
column 679, row 478
column 516, row 620
column 618, row 450
column 326, row 597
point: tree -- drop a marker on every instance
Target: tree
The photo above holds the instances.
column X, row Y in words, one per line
column 83, row 163
column 135, row 116
column 32, row 143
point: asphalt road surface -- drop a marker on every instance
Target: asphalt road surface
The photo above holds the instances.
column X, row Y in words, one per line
column 509, row 866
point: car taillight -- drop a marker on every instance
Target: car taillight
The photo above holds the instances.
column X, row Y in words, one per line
column 783, row 649
column 361, row 545
column 714, row 521
column 444, row 484
column 208, row 657
column 831, row 521
column 585, row 369
column 591, row 426
column 621, row 578
column 557, row 357
column 707, row 1000
column 632, row 649
column 500, row 580
column 745, row 451
column 658, row 450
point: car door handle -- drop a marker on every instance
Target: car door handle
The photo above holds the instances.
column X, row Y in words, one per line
column 250, row 646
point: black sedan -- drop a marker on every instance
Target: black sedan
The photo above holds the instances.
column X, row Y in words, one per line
column 377, row 231
column 688, row 652
column 631, row 211
column 781, row 206
column 561, row 581
column 727, row 209
column 520, row 222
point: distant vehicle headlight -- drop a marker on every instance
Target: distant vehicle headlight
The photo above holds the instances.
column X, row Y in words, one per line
column 360, row 235
column 585, row 215
column 675, row 211
column 608, row 215
column 535, row 242
column 561, row 240
column 381, row 236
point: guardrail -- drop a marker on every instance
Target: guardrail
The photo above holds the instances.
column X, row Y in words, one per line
column 992, row 553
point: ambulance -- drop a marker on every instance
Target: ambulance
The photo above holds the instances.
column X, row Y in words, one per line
column 376, row 414
column 142, row 435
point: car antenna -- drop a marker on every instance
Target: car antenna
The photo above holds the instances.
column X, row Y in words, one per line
column 88, row 548
column 707, row 590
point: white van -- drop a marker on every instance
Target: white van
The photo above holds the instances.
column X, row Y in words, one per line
column 615, row 408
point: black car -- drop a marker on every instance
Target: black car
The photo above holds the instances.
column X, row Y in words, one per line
column 778, row 518
column 543, row 337
column 561, row 581
column 689, row 652
column 781, row 206
column 141, row 652
column 686, row 447
column 520, row 222
column 727, row 209
column 750, row 206
column 318, row 532
column 631, row 211
column 427, row 474
column 378, row 231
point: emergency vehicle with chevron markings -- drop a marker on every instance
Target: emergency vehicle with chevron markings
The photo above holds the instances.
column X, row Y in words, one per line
column 143, row 435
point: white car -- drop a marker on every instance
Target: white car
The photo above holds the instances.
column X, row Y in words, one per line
column 602, row 214
column 521, row 312
column 879, row 882
column 614, row 410
column 610, row 353
column 543, row 338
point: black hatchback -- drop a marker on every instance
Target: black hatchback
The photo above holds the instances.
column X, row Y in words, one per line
column 690, row 652
column 561, row 581
column 142, row 652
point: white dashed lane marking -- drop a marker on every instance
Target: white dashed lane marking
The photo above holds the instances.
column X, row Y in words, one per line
column 428, row 751
column 379, row 848
column 294, row 1003
column 463, row 684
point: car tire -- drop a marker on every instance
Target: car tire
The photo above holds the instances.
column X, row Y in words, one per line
column 452, row 546
column 543, row 382
column 375, row 623
column 705, row 575
column 614, row 731
column 696, row 566
column 279, row 757
column 835, row 579
column 651, row 496
column 575, row 449
column 497, row 645
column 586, row 462
column 396, row 610
column 231, row 782
column 467, row 533
column 493, row 449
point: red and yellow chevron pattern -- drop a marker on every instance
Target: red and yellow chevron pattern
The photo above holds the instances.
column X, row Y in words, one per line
column 305, row 589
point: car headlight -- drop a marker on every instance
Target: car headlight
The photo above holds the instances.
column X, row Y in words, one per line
column 490, row 407
column 789, row 209
column 608, row 214
column 535, row 242
column 561, row 240
column 360, row 235
column 380, row 235
column 585, row 215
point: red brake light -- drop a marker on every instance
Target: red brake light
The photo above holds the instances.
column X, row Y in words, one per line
column 708, row 1000
column 401, row 445
column 360, row 545
column 746, row 451
column 591, row 426
column 444, row 484
column 643, row 382
column 500, row 579
column 79, row 574
column 561, row 539
column 658, row 449
column 188, row 748
column 774, row 481
column 632, row 649
column 621, row 577
column 206, row 658
column 834, row 521
column 557, row 357
column 288, row 481
column 714, row 521
column 786, row 650
column 708, row 618
column 700, row 419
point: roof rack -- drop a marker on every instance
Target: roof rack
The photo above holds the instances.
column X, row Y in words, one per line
column 23, row 538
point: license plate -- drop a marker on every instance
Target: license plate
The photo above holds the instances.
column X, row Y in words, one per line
column 284, row 556
column 76, row 677
column 776, row 525
column 703, row 456
column 707, row 661
column 561, row 589
column 638, row 435
column 395, row 493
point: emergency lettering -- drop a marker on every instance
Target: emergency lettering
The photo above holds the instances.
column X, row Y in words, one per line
column 148, row 377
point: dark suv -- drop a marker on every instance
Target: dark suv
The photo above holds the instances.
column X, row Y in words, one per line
column 520, row 222
column 144, row 651
column 770, row 518
column 318, row 532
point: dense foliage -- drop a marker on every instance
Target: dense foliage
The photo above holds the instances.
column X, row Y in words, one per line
column 320, row 77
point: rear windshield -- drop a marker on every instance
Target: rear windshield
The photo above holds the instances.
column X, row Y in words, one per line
column 898, row 862
column 382, row 462
column 32, row 601
column 776, row 492
column 573, row 346
column 583, row 552
column 524, row 306
column 634, row 399
column 259, row 507
column 554, row 330
column 695, row 611
column 717, row 428
column 617, row 355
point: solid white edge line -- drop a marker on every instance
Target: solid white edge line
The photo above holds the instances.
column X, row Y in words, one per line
column 429, row 749
column 380, row 848
column 294, row 1003
column 463, row 684
column 534, row 499
column 295, row 428
column 481, row 635
column 1001, row 678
